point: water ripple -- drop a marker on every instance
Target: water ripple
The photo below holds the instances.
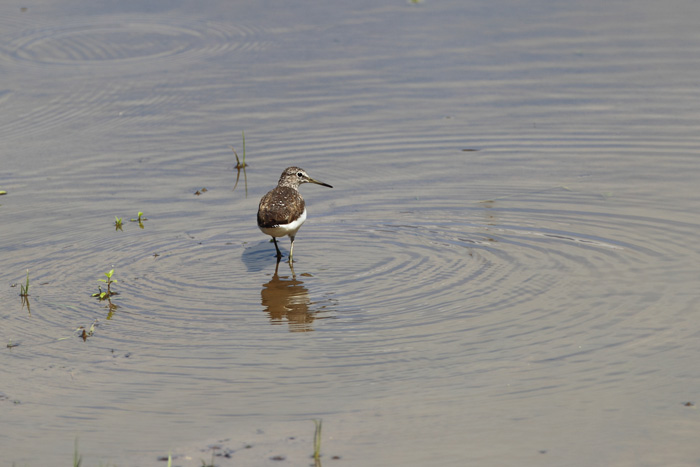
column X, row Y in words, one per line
column 122, row 41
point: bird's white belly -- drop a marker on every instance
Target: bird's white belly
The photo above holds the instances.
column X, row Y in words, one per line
column 285, row 229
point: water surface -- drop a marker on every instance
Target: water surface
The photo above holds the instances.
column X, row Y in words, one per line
column 505, row 272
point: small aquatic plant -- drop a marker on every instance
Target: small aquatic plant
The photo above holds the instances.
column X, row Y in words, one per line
column 24, row 293
column 24, row 289
column 317, row 439
column 210, row 464
column 117, row 223
column 85, row 333
column 105, row 295
column 139, row 218
column 77, row 458
column 240, row 164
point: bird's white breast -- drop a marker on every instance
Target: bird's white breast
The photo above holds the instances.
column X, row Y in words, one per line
column 285, row 229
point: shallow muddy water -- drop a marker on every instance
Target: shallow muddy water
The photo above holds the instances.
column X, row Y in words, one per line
column 505, row 272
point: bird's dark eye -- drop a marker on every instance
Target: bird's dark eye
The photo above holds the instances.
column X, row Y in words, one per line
column 300, row 175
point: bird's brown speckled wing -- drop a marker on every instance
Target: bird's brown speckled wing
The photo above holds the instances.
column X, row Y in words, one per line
column 280, row 206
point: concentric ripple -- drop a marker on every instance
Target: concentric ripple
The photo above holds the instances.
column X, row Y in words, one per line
column 82, row 59
column 510, row 263
column 126, row 40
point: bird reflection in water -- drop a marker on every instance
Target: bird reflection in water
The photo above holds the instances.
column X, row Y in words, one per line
column 286, row 298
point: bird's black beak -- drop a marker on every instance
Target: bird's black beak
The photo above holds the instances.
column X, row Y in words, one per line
column 311, row 180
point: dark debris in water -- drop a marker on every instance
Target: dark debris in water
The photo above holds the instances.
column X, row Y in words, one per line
column 220, row 451
column 4, row 398
column 200, row 191
column 116, row 355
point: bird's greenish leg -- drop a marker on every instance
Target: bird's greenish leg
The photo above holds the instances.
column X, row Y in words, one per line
column 291, row 249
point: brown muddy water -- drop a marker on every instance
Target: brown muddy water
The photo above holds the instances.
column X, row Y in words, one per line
column 505, row 272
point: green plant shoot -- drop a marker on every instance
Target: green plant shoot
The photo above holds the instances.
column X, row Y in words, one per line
column 24, row 289
column 317, row 438
column 104, row 295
